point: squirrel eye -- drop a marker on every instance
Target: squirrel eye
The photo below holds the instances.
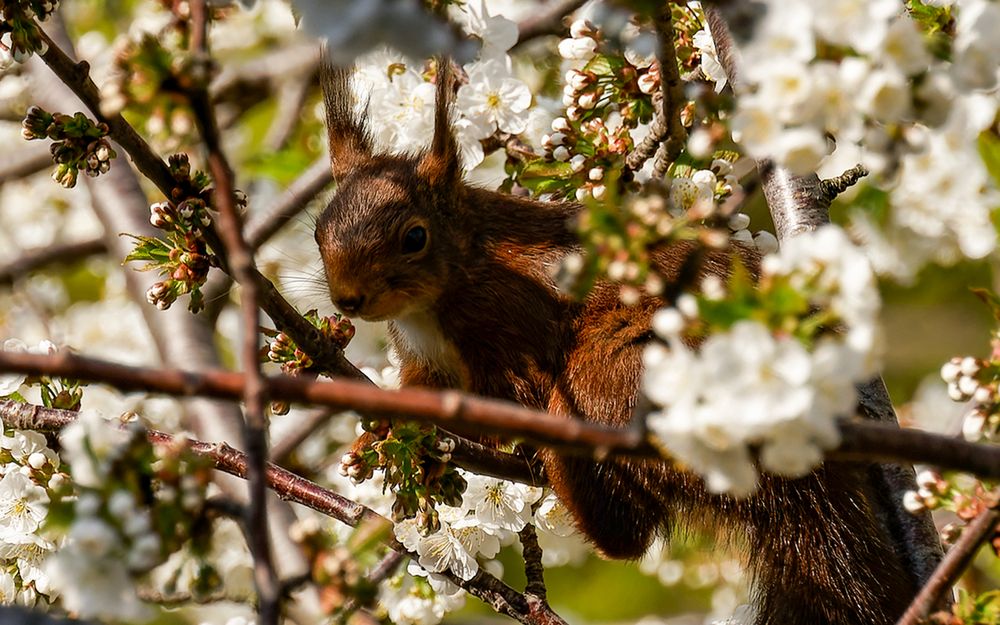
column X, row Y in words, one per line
column 414, row 240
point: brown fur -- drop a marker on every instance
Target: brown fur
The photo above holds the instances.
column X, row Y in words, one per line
column 476, row 309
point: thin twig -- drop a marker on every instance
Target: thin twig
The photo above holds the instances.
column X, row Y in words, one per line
column 291, row 100
column 952, row 566
column 269, row 595
column 59, row 254
column 832, row 187
column 23, row 162
column 484, row 460
column 292, row 487
column 382, row 571
column 533, row 569
column 292, row 202
column 464, row 413
column 549, row 20
column 313, row 421
column 666, row 133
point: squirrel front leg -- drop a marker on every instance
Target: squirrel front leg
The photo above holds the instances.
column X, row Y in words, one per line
column 617, row 503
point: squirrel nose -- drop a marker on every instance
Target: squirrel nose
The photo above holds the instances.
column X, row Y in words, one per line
column 350, row 305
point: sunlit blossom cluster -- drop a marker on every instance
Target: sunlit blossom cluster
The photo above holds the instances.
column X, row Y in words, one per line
column 30, row 471
column 492, row 513
column 490, row 100
column 913, row 119
column 974, row 381
column 776, row 388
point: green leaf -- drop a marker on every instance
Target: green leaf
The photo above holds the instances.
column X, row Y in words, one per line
column 546, row 169
column 989, row 151
column 154, row 251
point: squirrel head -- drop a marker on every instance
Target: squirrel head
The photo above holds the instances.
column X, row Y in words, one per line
column 388, row 239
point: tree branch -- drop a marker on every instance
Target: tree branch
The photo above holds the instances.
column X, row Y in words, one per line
column 862, row 440
column 533, row 569
column 58, row 254
column 666, row 133
column 952, row 566
column 76, row 77
column 292, row 202
column 269, row 595
column 548, row 21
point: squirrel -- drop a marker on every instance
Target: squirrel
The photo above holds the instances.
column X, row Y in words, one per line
column 462, row 275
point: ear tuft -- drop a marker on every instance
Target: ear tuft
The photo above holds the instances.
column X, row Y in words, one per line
column 350, row 140
column 442, row 164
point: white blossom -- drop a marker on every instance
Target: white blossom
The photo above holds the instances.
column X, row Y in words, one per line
column 11, row 382
column 455, row 545
column 94, row 588
column 90, row 444
column 748, row 386
column 500, row 503
column 497, row 33
column 494, row 99
column 23, row 505
column 577, row 48
column 861, row 24
column 710, row 65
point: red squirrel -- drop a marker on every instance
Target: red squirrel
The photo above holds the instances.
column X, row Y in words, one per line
column 463, row 275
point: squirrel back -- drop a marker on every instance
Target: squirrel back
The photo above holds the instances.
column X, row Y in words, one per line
column 464, row 277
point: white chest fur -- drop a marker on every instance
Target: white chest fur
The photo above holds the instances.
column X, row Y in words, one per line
column 420, row 335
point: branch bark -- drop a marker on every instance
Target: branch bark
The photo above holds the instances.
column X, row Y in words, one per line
column 666, row 133
column 548, row 21
column 59, row 254
column 240, row 257
column 861, row 440
column 952, row 566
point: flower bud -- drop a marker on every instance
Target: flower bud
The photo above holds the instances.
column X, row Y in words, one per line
column 969, row 366
column 561, row 154
column 581, row 48
column 950, row 371
column 588, row 100
column 912, row 502
column 577, row 162
column 649, row 83
column 581, row 28
column 739, row 221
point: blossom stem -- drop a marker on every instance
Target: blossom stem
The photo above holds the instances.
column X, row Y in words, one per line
column 666, row 134
column 533, row 569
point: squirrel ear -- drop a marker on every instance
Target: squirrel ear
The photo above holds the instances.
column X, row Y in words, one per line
column 350, row 141
column 442, row 164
